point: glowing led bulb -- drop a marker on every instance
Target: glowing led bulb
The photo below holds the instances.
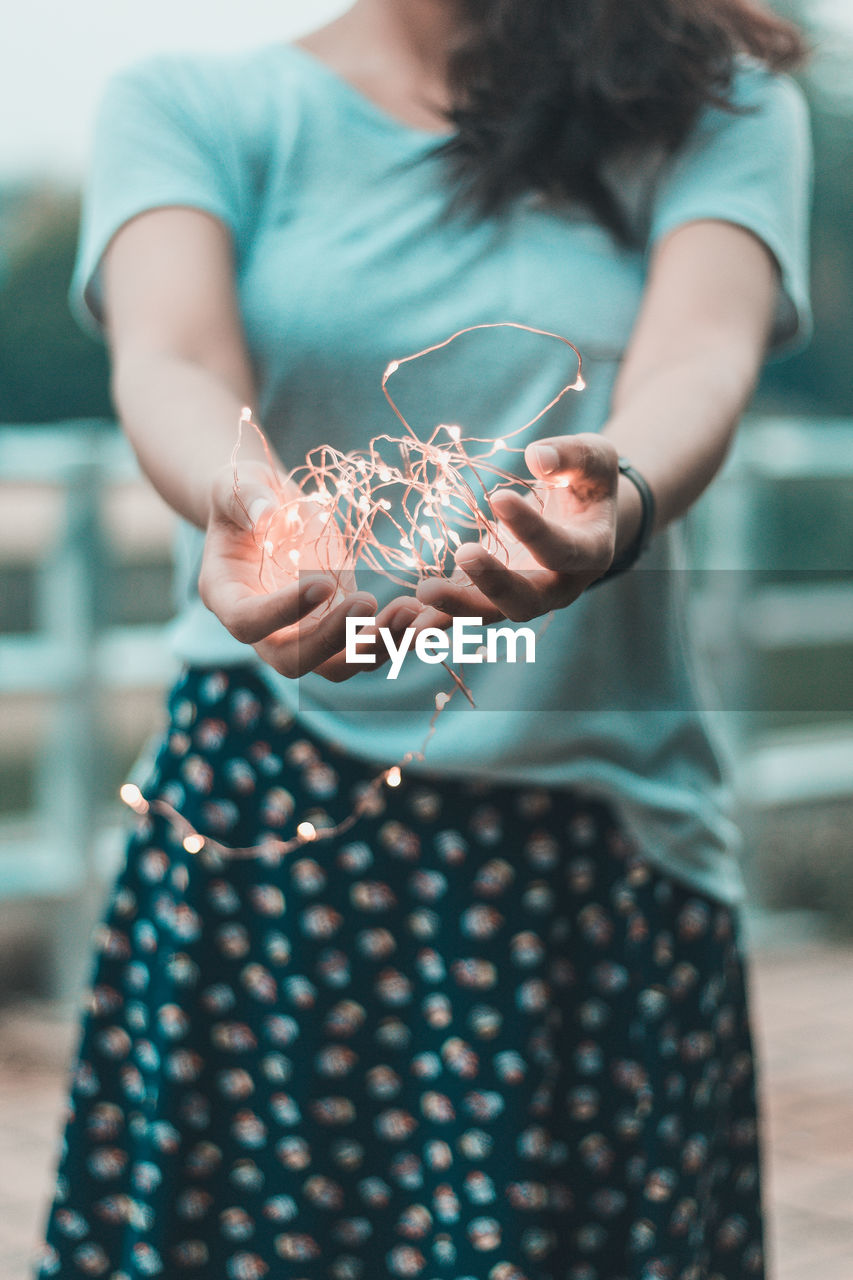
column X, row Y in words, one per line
column 133, row 797
column 306, row 831
column 193, row 843
column 393, row 777
column 392, row 368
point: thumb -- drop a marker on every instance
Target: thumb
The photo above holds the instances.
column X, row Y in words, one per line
column 588, row 461
column 242, row 501
column 260, row 505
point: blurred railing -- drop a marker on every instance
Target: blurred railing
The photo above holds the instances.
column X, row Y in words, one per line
column 751, row 605
column 57, row 487
column 772, row 597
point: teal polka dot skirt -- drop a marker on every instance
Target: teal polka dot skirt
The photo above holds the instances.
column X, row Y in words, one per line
column 476, row 1037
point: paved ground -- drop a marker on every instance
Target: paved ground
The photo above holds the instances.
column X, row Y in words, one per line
column 803, row 1013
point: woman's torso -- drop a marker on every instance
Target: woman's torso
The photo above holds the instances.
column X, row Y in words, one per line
column 346, row 261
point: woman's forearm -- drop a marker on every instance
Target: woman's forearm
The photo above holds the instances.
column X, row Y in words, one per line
column 693, row 360
column 182, row 420
column 676, row 425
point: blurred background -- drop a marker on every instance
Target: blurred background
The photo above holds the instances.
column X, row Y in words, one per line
column 84, row 596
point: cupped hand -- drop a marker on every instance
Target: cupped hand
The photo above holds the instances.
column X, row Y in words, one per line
column 550, row 544
column 292, row 611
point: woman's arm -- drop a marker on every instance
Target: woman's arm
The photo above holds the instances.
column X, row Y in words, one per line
column 181, row 375
column 180, row 371
column 690, row 368
column 693, row 360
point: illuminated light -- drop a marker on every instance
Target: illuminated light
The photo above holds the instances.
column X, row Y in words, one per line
column 193, row 843
column 430, row 478
column 133, row 797
column 394, row 777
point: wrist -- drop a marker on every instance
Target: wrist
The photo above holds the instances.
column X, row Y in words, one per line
column 629, row 515
column 635, row 520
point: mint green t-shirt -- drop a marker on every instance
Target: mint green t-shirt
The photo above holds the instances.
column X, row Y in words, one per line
column 345, row 262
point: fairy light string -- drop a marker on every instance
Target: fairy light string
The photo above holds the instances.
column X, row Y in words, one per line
column 400, row 508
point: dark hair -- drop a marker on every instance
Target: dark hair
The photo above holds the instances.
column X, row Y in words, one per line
column 545, row 92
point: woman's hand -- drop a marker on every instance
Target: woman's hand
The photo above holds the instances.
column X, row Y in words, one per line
column 550, row 553
column 300, row 624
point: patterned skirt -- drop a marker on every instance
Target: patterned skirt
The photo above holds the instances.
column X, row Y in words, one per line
column 477, row 1037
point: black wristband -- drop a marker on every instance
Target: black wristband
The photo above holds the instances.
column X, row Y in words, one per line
column 632, row 553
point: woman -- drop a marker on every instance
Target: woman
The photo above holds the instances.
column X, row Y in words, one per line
column 498, row 1028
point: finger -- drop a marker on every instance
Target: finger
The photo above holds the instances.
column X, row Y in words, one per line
column 251, row 616
column 430, row 617
column 414, row 614
column 562, row 548
column 397, row 617
column 518, row 596
column 244, row 500
column 306, row 648
column 454, row 598
column 586, row 461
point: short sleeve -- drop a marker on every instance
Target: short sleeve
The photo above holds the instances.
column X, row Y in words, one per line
column 751, row 167
column 157, row 143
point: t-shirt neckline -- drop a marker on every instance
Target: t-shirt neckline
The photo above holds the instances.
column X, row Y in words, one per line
column 367, row 105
